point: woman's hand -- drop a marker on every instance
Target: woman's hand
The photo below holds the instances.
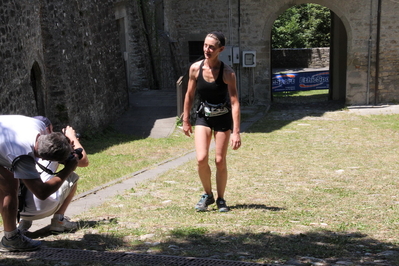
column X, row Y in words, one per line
column 235, row 141
column 187, row 129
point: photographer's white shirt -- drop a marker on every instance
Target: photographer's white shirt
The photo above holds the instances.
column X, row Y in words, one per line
column 18, row 137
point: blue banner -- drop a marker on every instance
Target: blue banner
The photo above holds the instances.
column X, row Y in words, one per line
column 301, row 81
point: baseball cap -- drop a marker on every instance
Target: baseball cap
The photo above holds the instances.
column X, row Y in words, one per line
column 44, row 119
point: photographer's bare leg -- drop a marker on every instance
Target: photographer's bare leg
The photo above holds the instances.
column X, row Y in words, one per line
column 9, row 199
column 60, row 223
column 67, row 201
column 13, row 240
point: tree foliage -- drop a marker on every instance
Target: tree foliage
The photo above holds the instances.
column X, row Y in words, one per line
column 302, row 26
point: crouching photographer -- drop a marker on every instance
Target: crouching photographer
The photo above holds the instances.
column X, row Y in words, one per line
column 32, row 208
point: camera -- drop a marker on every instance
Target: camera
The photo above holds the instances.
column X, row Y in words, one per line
column 78, row 151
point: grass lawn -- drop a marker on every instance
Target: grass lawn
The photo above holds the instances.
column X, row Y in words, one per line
column 113, row 156
column 300, row 96
column 306, row 187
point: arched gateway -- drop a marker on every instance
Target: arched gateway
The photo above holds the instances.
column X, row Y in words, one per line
column 248, row 24
column 338, row 50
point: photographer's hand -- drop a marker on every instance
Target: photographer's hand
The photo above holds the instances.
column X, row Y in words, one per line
column 71, row 134
column 70, row 164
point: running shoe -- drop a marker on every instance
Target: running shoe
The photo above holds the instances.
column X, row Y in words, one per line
column 221, row 203
column 59, row 226
column 204, row 202
column 19, row 243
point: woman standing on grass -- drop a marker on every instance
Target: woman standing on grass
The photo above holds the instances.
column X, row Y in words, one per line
column 217, row 115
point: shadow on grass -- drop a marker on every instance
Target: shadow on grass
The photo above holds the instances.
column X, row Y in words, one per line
column 106, row 139
column 322, row 247
column 256, row 206
column 267, row 247
column 83, row 224
column 284, row 110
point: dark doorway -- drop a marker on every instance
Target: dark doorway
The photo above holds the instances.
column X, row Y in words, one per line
column 37, row 86
column 195, row 50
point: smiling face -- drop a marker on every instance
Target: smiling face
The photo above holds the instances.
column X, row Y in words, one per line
column 212, row 47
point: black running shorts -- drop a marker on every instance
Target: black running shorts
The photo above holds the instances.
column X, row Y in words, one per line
column 216, row 123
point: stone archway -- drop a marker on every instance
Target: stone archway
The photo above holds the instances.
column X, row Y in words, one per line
column 338, row 50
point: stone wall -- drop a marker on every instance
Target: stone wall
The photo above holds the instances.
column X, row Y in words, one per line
column 84, row 65
column 301, row 58
column 150, row 57
column 62, row 60
column 388, row 90
column 75, row 61
column 139, row 36
column 248, row 23
column 21, row 46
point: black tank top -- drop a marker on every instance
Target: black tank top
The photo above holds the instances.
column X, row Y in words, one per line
column 213, row 92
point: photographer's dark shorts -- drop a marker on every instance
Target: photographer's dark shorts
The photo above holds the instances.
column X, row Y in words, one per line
column 220, row 123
